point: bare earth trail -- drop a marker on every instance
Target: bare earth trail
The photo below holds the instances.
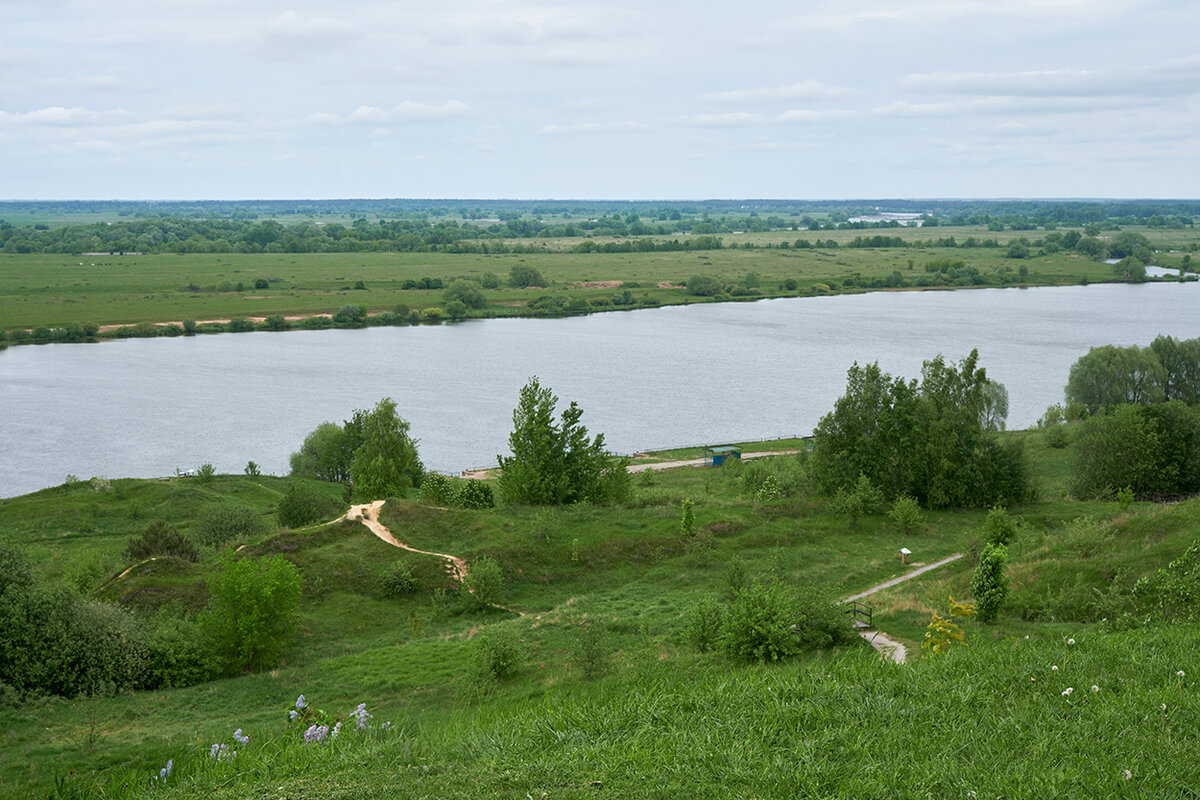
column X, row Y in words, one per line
column 368, row 515
column 887, row 646
column 480, row 474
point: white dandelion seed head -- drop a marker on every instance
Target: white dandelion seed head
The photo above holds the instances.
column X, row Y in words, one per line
column 1126, row 774
column 1067, row 691
column 1095, row 688
column 1180, row 674
column 1054, row 668
column 1163, row 706
column 1070, row 641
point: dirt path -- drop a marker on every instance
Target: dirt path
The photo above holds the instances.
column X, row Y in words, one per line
column 700, row 462
column 368, row 514
column 886, row 645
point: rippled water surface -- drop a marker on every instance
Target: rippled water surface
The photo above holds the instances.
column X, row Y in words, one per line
column 657, row 377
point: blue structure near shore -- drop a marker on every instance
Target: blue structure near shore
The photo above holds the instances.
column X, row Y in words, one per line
column 716, row 456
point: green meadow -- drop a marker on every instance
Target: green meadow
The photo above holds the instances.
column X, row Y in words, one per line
column 606, row 694
column 53, row 290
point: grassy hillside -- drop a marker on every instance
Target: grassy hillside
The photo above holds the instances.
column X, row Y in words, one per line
column 608, row 696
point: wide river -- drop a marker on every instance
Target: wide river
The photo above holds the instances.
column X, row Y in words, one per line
column 705, row 373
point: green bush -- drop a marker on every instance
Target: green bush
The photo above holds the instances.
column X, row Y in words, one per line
column 301, row 504
column 176, row 655
column 436, row 489
column 770, row 620
column 999, row 527
column 496, row 655
column 475, row 494
column 484, row 582
column 906, row 515
column 252, row 613
column 704, row 622
column 205, row 473
column 399, row 580
column 1173, row 593
column 989, row 583
column 160, row 539
column 223, row 522
column 591, row 651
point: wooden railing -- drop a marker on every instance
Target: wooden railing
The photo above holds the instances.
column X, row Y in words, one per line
column 861, row 613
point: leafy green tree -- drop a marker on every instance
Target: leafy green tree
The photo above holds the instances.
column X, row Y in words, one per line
column 989, row 583
column 556, row 463
column 484, row 583
column 523, row 275
column 703, row 285
column 927, row 440
column 301, row 504
column 906, row 514
column 385, row 464
column 252, row 613
column 351, row 315
column 999, row 527
column 326, row 453
column 1180, row 360
column 160, row 539
column 467, row 292
column 1109, row 376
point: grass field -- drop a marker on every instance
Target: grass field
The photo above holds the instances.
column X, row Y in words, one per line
column 609, row 699
column 57, row 290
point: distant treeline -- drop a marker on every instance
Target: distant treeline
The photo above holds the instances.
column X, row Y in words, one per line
column 461, row 226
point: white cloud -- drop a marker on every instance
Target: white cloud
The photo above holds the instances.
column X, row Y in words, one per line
column 291, row 35
column 408, row 111
column 804, row 90
column 593, row 127
column 804, row 115
column 58, row 116
column 1179, row 77
column 739, row 119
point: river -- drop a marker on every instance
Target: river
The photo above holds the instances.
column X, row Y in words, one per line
column 672, row 376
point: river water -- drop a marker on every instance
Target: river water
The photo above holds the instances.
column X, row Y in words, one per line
column 680, row 375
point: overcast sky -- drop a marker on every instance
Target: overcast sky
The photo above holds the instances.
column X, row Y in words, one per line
column 191, row 99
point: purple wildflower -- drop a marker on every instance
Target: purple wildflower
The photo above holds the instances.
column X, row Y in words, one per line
column 300, row 704
column 361, row 716
column 240, row 738
column 316, row 733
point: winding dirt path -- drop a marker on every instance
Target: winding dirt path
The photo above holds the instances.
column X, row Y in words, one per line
column 368, row 514
column 886, row 645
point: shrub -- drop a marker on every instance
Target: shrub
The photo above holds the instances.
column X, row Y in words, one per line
column 854, row 503
column 1057, row 437
column 301, row 504
column 687, row 520
column 175, row 655
column 703, row 285
column 1173, row 592
column 704, row 621
column 484, row 582
column 436, row 489
column 735, row 576
column 252, row 613
column 399, row 580
column 252, row 470
column 999, row 527
column 205, row 473
column 495, row 656
column 591, row 651
column 523, row 275
column 989, row 583
column 160, row 539
column 219, row 523
column 906, row 514
column 770, row 620
column 475, row 494
column 351, row 315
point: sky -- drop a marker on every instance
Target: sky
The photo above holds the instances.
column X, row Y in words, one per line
column 658, row 99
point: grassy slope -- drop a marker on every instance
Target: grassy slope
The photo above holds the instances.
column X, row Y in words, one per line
column 56, row 290
column 666, row 718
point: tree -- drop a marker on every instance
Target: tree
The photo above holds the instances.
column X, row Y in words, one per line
column 385, row 464
column 466, row 292
column 252, row 613
column 927, row 440
column 523, row 275
column 554, row 464
column 326, row 454
column 703, row 285
column 1152, row 450
column 1109, row 376
column 989, row 583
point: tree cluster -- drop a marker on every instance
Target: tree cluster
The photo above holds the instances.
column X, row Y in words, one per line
column 1108, row 376
column 933, row 441
column 556, row 463
column 372, row 451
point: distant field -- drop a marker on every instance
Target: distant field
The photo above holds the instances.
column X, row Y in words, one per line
column 55, row 290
